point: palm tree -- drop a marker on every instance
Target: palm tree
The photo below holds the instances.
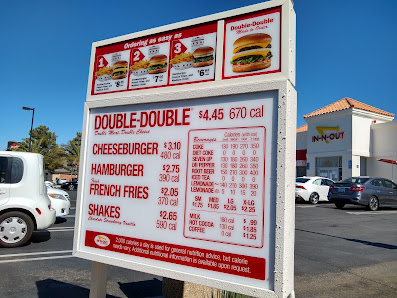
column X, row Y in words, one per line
column 72, row 149
column 35, row 148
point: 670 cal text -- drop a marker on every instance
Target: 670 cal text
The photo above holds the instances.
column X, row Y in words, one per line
column 234, row 113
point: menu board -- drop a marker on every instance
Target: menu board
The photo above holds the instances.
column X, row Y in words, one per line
column 183, row 185
column 252, row 44
column 171, row 58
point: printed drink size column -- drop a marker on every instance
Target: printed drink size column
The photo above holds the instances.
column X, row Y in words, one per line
column 225, row 185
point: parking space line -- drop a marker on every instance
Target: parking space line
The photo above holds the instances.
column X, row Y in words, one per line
column 36, row 259
column 371, row 212
column 67, row 229
column 36, row 253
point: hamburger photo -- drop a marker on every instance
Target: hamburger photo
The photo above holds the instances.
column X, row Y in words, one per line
column 120, row 70
column 158, row 64
column 203, row 56
column 251, row 52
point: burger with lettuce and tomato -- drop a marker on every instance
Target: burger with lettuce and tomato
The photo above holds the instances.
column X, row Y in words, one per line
column 203, row 56
column 252, row 52
column 158, row 64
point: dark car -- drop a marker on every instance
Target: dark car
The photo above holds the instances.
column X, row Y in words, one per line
column 372, row 192
column 70, row 185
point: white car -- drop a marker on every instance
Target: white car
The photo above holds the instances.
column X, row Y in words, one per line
column 312, row 189
column 49, row 183
column 60, row 201
column 24, row 203
column 61, row 181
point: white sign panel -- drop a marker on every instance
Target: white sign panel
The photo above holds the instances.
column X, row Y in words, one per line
column 184, row 186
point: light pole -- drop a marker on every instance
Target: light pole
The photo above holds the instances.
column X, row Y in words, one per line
column 31, row 127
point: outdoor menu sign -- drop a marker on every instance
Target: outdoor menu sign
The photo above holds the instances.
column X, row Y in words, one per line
column 185, row 161
column 183, row 184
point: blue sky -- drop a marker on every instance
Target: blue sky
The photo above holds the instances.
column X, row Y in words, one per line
column 344, row 49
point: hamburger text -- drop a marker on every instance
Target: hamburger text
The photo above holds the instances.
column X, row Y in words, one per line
column 117, row 169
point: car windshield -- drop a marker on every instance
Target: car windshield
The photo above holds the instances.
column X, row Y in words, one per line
column 302, row 180
column 357, row 180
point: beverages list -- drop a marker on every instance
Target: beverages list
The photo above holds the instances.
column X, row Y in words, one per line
column 185, row 185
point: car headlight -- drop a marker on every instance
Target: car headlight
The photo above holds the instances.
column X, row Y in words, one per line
column 59, row 197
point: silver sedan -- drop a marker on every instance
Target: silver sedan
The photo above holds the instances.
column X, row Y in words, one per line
column 372, row 192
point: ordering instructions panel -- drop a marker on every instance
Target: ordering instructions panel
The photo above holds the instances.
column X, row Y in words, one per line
column 184, row 186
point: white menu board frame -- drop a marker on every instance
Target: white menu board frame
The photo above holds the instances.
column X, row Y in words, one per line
column 279, row 238
column 212, row 102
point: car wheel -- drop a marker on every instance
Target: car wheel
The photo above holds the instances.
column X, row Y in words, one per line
column 373, row 203
column 71, row 187
column 339, row 205
column 15, row 229
column 314, row 198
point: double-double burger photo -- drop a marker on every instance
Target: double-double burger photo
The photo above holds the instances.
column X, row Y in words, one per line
column 252, row 52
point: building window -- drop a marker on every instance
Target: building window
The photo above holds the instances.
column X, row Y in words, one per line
column 329, row 167
column 300, row 171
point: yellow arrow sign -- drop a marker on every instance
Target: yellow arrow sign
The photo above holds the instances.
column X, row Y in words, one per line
column 321, row 129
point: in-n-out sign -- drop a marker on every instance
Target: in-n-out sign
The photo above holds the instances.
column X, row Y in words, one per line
column 186, row 164
column 328, row 136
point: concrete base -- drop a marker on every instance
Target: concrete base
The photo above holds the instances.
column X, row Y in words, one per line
column 178, row 289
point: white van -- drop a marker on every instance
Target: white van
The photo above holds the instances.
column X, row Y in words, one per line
column 24, row 203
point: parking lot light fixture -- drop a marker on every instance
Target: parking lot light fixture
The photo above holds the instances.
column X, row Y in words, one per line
column 31, row 126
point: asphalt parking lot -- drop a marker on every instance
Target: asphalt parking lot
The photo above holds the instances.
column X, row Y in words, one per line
column 338, row 253
column 345, row 253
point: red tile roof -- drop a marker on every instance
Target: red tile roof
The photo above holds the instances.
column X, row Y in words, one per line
column 302, row 128
column 344, row 104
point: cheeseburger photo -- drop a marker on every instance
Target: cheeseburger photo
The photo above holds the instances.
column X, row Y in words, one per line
column 158, row 64
column 251, row 52
column 120, row 70
column 203, row 56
